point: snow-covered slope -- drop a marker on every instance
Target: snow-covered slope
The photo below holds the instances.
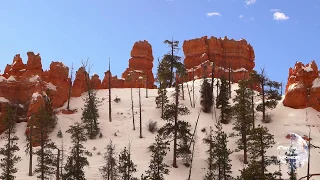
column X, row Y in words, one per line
column 120, row 131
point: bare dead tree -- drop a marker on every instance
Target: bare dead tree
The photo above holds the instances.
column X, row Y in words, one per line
column 70, row 87
column 110, row 116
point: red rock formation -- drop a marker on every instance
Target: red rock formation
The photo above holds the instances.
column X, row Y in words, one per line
column 141, row 63
column 79, row 84
column 239, row 55
column 303, row 78
column 96, row 82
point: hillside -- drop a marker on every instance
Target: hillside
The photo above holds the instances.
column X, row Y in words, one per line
column 285, row 120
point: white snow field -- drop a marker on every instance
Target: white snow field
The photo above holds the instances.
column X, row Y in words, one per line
column 285, row 120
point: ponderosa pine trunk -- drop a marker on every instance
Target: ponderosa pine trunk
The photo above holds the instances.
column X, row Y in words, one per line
column 110, row 116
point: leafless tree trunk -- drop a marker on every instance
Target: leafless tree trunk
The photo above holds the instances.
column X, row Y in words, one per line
column 140, row 113
column 58, row 163
column 30, row 146
column 110, row 116
column 70, row 87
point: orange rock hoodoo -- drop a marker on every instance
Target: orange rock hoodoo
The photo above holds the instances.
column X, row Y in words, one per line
column 223, row 52
column 303, row 78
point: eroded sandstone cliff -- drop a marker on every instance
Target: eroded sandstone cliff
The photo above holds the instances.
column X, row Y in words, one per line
column 303, row 80
column 225, row 53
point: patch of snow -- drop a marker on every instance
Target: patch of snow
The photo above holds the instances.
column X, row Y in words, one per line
column 35, row 78
column 240, row 70
column 140, row 77
column 295, row 86
column 51, row 86
column 20, row 105
column 2, row 79
column 11, row 78
column 2, row 99
column 308, row 68
column 23, row 70
column 35, row 96
column 139, row 71
column 316, row 83
column 203, row 54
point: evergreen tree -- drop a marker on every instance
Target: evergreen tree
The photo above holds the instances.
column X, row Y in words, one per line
column 243, row 116
column 126, row 167
column 269, row 94
column 90, row 114
column 217, row 86
column 218, row 161
column 77, row 160
column 59, row 134
column 7, row 163
column 110, row 170
column 206, row 96
column 29, row 141
column 45, row 167
column 177, row 129
column 172, row 59
column 259, row 141
column 70, row 88
column 162, row 99
column 163, row 72
column 223, row 102
column 157, row 168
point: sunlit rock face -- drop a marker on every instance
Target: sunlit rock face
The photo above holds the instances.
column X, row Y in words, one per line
column 303, row 78
column 238, row 56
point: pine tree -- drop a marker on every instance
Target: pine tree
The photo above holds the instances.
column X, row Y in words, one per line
column 29, row 141
column 269, row 94
column 162, row 99
column 126, row 167
column 243, row 116
column 206, row 96
column 59, row 134
column 45, row 167
column 177, row 129
column 223, row 102
column 217, row 86
column 163, row 72
column 90, row 113
column 9, row 160
column 259, row 141
column 70, row 88
column 157, row 168
column 218, row 161
column 77, row 160
column 172, row 59
column 110, row 170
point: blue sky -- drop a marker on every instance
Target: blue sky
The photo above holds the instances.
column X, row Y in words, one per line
column 281, row 31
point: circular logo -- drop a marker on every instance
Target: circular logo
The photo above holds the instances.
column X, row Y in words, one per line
column 294, row 151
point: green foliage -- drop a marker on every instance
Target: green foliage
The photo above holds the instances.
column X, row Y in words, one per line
column 162, row 98
column 206, row 96
column 259, row 141
column 219, row 163
column 109, row 170
column 291, row 161
column 76, row 161
column 90, row 114
column 163, row 72
column 157, row 168
column 126, row 167
column 44, row 124
column 243, row 115
column 270, row 93
column 59, row 134
column 223, row 102
column 7, row 163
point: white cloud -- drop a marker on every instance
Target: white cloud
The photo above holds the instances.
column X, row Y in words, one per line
column 274, row 10
column 279, row 16
column 249, row 2
column 252, row 19
column 213, row 14
column 241, row 16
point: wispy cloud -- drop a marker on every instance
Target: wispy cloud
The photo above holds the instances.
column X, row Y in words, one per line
column 280, row 16
column 250, row 2
column 213, row 14
column 274, row 10
column 241, row 16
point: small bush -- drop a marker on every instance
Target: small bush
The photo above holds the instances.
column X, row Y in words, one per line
column 59, row 134
column 203, row 130
column 268, row 118
column 152, row 126
column 100, row 135
column 99, row 153
column 94, row 148
column 117, row 99
column 115, row 134
column 88, row 153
